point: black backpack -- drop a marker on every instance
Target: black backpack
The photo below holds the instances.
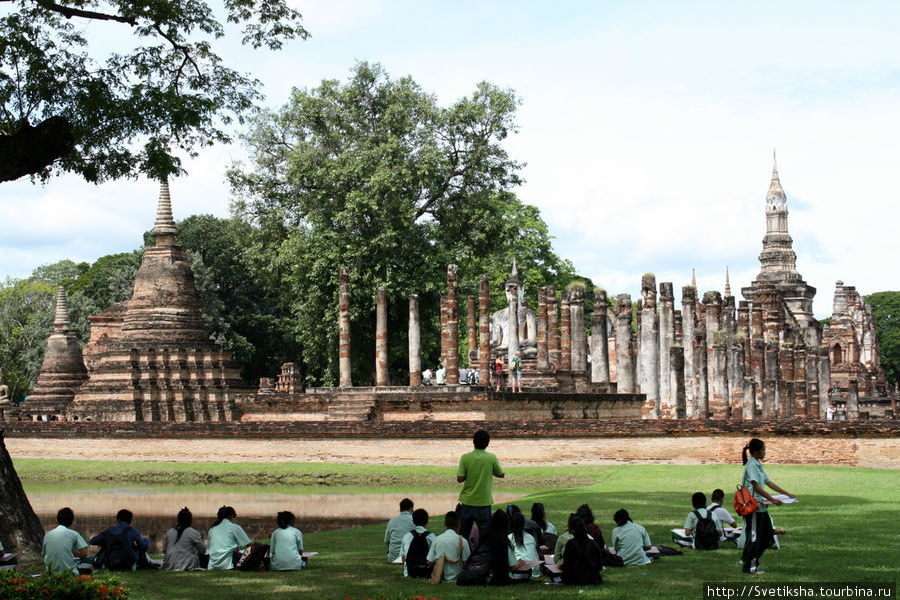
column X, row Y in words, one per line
column 255, row 559
column 118, row 552
column 417, row 555
column 706, row 536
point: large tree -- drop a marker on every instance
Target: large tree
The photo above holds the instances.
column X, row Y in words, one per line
column 375, row 175
column 886, row 313
column 112, row 112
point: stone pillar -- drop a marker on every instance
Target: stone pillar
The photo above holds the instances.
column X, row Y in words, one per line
column 800, row 396
column 443, row 358
column 512, row 292
column 676, row 383
column 812, row 383
column 785, row 408
column 824, row 381
column 415, row 342
column 344, row 331
column 579, row 338
column 565, row 334
column 701, row 400
column 452, row 359
column 553, row 332
column 624, row 352
column 735, row 368
column 599, row 339
column 484, row 331
column 471, row 332
column 543, row 350
column 770, row 370
column 649, row 348
column 749, row 399
column 688, row 320
column 667, row 408
column 852, row 408
column 718, row 382
column 757, row 357
column 381, row 353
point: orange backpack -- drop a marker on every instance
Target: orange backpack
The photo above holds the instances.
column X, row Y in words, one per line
column 744, row 502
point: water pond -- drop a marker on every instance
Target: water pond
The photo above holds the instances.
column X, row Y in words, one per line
column 155, row 506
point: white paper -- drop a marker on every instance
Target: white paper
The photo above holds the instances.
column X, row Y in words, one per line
column 784, row 499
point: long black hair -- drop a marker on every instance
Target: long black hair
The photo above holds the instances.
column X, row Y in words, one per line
column 226, row 512
column 184, row 519
column 538, row 515
column 753, row 446
column 517, row 525
column 498, row 545
column 285, row 519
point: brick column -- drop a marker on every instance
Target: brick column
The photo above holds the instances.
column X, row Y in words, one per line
column 701, row 356
column 824, row 374
column 852, row 408
column 676, row 382
column 452, row 359
column 443, row 358
column 800, row 385
column 565, row 334
column 344, row 330
column 576, row 327
column 666, row 340
column 543, row 354
column 415, row 342
column 381, row 354
column 812, row 383
column 484, row 331
column 649, row 348
column 512, row 293
column 599, row 339
column 624, row 346
column 688, row 320
column 553, row 332
column 471, row 332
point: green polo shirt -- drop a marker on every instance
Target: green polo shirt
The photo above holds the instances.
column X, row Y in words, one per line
column 224, row 538
column 59, row 547
column 478, row 467
column 753, row 471
column 629, row 540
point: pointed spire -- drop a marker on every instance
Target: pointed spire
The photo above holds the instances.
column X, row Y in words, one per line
column 694, row 278
column 165, row 224
column 515, row 271
column 776, row 193
column 727, row 283
column 61, row 320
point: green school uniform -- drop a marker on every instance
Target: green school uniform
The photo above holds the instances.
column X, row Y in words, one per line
column 478, row 467
column 286, row 546
column 59, row 547
column 225, row 538
column 629, row 540
column 753, row 471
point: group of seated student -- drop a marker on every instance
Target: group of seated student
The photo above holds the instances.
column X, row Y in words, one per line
column 513, row 548
column 705, row 524
column 121, row 546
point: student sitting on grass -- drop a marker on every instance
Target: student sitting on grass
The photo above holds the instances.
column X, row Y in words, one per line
column 225, row 538
column 702, row 524
column 286, row 545
column 450, row 549
column 563, row 539
column 585, row 513
column 524, row 547
column 722, row 514
column 183, row 545
column 492, row 559
column 415, row 546
column 630, row 539
column 582, row 556
column 121, row 546
column 62, row 545
column 396, row 528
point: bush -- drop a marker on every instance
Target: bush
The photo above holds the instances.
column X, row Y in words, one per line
column 64, row 586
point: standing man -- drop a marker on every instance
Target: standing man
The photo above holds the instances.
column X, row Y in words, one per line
column 517, row 372
column 476, row 471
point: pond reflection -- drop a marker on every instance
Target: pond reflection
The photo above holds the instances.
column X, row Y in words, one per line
column 155, row 508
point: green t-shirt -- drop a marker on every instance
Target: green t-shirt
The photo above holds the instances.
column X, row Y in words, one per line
column 629, row 540
column 479, row 468
column 224, row 538
column 753, row 471
column 59, row 547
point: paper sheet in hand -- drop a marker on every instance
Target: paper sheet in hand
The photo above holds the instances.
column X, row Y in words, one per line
column 784, row 499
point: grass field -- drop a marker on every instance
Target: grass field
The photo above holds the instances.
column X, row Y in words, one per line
column 843, row 529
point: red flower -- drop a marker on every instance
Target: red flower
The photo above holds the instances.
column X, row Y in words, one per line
column 83, row 578
column 117, row 591
column 46, row 592
column 17, row 580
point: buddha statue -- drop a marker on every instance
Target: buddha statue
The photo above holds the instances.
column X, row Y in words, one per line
column 526, row 318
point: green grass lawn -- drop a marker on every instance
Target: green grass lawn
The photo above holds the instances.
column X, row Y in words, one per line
column 843, row 529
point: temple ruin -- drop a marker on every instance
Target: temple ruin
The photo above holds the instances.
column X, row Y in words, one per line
column 714, row 358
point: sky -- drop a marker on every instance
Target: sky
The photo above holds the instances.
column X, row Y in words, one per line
column 647, row 129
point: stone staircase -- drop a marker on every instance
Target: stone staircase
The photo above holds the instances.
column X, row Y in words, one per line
column 357, row 407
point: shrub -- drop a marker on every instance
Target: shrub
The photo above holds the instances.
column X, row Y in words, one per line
column 63, row 586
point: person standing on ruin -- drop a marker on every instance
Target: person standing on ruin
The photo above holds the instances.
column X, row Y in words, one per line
column 476, row 472
column 498, row 371
column 516, row 372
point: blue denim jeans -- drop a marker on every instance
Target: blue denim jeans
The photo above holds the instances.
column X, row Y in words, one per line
column 474, row 514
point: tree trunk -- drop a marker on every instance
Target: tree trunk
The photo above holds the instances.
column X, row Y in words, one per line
column 20, row 529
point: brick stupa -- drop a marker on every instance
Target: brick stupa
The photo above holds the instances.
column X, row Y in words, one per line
column 151, row 358
column 62, row 371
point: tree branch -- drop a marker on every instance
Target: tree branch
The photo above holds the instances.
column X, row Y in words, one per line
column 31, row 149
column 69, row 12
